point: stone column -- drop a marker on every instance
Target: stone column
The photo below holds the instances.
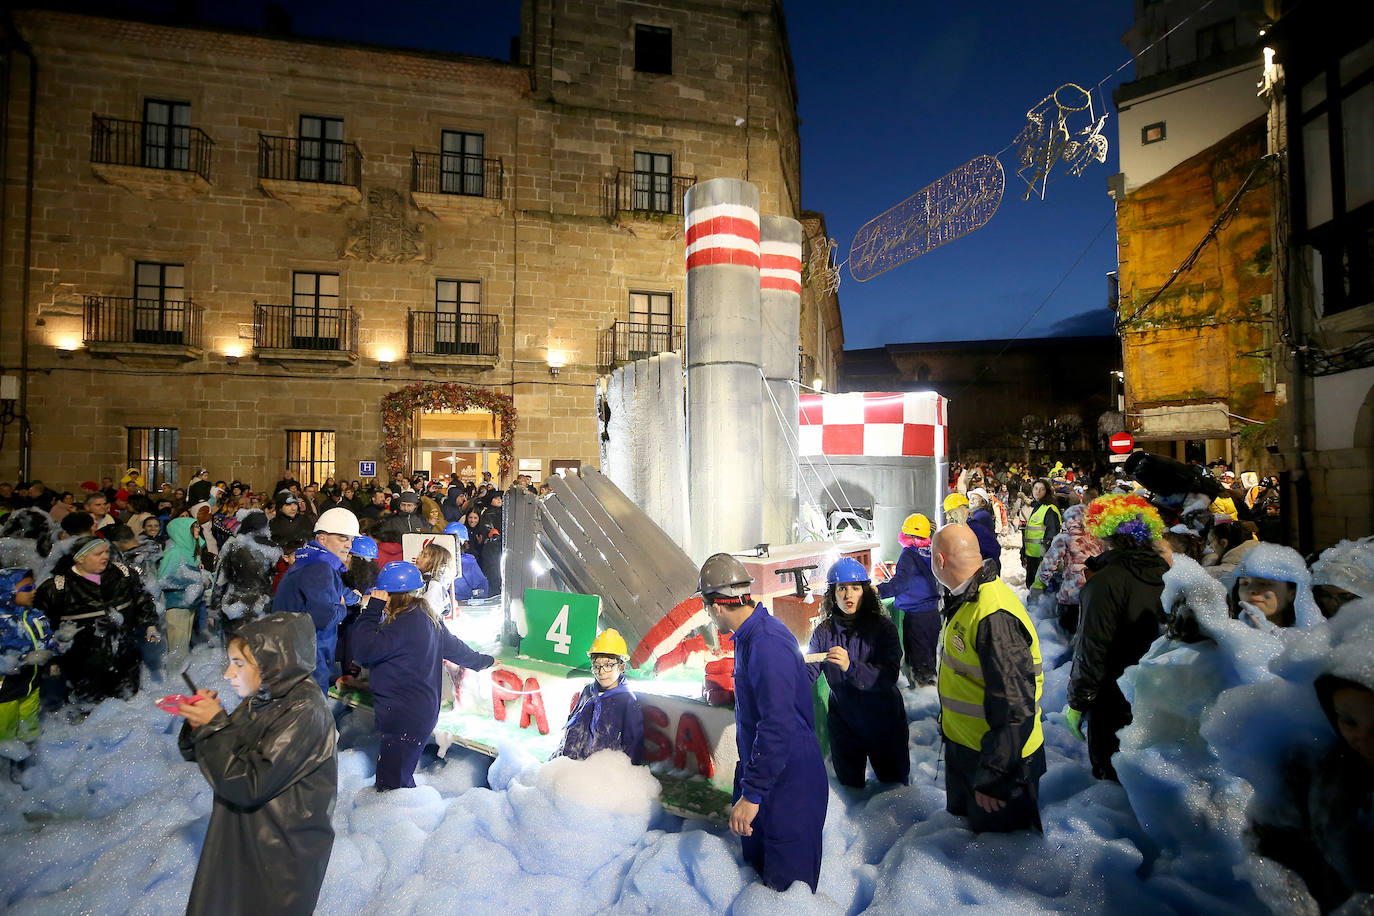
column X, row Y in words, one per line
column 780, row 246
column 724, row 362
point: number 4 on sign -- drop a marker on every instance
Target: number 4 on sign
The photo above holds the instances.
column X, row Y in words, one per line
column 558, row 633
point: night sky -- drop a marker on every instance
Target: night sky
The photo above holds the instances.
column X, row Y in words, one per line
column 892, row 95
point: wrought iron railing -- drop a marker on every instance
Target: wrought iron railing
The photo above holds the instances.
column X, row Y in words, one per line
column 646, row 192
column 454, row 173
column 452, row 334
column 626, row 341
column 289, row 327
column 125, row 319
column 151, row 145
column 307, row 159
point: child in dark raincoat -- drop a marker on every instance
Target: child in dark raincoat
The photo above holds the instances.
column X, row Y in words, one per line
column 866, row 716
column 403, row 647
column 607, row 714
column 274, row 769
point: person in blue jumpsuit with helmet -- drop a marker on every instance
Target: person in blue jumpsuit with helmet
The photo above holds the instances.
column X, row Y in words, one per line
column 404, row 646
column 917, row 595
column 866, row 716
column 781, row 789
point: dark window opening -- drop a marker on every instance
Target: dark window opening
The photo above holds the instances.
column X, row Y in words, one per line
column 166, row 134
column 457, row 328
column 460, row 163
column 653, row 182
column 653, row 49
column 1217, row 38
column 159, row 302
column 1152, row 133
column 321, row 150
column 316, row 318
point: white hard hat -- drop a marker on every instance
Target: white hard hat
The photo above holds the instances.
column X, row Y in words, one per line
column 337, row 521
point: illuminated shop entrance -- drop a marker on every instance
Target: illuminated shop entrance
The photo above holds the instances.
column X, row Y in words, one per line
column 468, row 442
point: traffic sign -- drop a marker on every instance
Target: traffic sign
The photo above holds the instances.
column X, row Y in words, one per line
column 1121, row 443
column 367, row 469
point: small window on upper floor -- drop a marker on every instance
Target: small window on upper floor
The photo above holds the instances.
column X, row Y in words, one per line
column 653, row 49
column 1152, row 133
column 1217, row 38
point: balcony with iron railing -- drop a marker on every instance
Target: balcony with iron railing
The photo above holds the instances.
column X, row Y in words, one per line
column 651, row 196
column 288, row 333
column 454, row 185
column 439, row 339
column 147, row 157
column 120, row 326
column 627, row 341
column 312, row 174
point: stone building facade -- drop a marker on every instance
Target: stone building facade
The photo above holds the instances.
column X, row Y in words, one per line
column 251, row 239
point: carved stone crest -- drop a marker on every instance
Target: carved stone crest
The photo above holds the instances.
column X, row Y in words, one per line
column 384, row 234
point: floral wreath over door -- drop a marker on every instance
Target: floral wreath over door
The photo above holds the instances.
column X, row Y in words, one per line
column 398, row 412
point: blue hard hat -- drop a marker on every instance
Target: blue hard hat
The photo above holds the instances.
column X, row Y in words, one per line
column 365, row 547
column 400, row 576
column 847, row 570
column 458, row 530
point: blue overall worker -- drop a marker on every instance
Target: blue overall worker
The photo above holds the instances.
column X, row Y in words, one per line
column 781, row 789
column 866, row 716
column 314, row 585
column 404, row 646
column 917, row 595
column 607, row 713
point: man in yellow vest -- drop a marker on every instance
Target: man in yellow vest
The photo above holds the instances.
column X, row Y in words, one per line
column 990, row 682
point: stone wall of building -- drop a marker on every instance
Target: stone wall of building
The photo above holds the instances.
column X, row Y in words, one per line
column 556, row 264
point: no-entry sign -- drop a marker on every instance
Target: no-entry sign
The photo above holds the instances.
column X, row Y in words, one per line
column 1121, row 443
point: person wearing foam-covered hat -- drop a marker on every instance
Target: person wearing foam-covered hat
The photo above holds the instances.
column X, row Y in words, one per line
column 917, row 595
column 607, row 714
column 1120, row 605
column 1342, row 574
column 404, row 646
column 866, row 717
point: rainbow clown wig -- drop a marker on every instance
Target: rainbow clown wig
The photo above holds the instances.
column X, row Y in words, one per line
column 1126, row 516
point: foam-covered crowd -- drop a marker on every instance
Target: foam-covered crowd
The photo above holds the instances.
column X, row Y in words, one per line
column 1121, row 702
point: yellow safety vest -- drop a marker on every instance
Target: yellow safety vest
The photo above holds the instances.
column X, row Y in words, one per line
column 962, row 716
column 1035, row 530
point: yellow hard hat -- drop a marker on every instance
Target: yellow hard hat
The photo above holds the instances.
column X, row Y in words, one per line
column 916, row 526
column 609, row 642
column 956, row 501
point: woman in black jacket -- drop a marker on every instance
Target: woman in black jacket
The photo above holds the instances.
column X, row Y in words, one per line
column 112, row 613
column 1121, row 614
column 273, row 766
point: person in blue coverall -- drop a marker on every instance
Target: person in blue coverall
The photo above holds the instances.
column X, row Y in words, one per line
column 607, row 713
column 470, row 581
column 404, row 646
column 314, row 585
column 917, row 595
column 866, row 716
column 781, row 789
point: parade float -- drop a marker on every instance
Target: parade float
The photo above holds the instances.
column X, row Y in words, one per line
column 740, row 461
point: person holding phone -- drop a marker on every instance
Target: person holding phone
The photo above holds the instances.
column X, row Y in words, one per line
column 274, row 769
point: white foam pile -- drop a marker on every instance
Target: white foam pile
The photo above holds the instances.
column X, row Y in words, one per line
column 109, row 819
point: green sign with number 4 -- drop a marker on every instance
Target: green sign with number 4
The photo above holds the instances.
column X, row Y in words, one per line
column 561, row 626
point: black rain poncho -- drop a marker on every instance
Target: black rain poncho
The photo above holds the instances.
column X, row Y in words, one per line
column 274, row 769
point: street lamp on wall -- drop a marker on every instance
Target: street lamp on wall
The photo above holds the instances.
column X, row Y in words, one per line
column 557, row 360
